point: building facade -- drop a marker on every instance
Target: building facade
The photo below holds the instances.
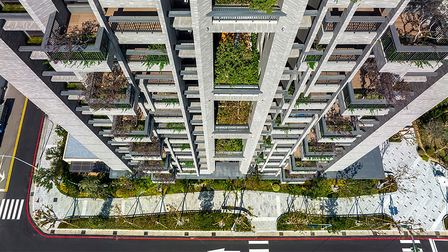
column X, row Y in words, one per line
column 197, row 89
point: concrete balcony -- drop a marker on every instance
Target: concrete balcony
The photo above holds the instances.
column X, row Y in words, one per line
column 137, row 29
column 349, row 105
column 361, row 30
column 324, row 135
column 393, row 57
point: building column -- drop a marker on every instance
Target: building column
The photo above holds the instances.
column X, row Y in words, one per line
column 277, row 48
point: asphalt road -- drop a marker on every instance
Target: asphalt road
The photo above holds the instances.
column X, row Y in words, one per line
column 20, row 235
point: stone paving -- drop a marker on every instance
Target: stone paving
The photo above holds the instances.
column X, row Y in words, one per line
column 421, row 198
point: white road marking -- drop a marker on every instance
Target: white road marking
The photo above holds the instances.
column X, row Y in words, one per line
column 6, row 209
column 19, row 213
column 433, row 245
column 10, row 209
column 1, row 206
column 13, row 216
column 258, row 250
column 410, row 241
column 258, row 242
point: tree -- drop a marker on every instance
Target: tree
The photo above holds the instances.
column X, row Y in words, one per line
column 103, row 89
column 424, row 20
column 92, row 186
column 436, row 132
column 70, row 38
column 385, row 85
column 46, row 215
column 44, row 178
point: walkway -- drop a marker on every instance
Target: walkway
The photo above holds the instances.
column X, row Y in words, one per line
column 420, row 200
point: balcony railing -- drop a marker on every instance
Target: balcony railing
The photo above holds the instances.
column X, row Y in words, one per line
column 395, row 51
column 242, row 13
column 134, row 24
column 371, row 104
column 358, row 24
column 95, row 52
column 338, row 55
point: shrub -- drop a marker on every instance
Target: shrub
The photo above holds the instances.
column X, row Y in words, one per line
column 236, row 62
column 426, row 158
column 13, row 8
column 421, row 152
column 233, row 112
column 276, row 187
column 34, row 40
column 430, row 151
column 229, row 145
column 160, row 60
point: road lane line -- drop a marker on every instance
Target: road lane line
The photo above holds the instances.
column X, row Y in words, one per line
column 6, row 209
column 20, row 210
column 258, row 250
column 258, row 242
column 1, row 206
column 410, row 241
column 13, row 216
column 10, row 209
column 15, row 146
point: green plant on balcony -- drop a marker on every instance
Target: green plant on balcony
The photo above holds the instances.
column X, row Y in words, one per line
column 146, row 148
column 104, row 89
column 34, row 41
column 236, row 60
column 181, row 146
column 170, row 102
column 300, row 163
column 151, row 165
column 233, row 112
column 176, row 127
column 126, row 124
column 338, row 123
column 262, row 5
column 12, row 8
column 302, row 100
column 187, row 164
column 229, row 145
column 160, row 60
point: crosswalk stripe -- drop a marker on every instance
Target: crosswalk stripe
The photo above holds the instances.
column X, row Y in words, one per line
column 6, row 209
column 10, row 209
column 410, row 241
column 1, row 206
column 13, row 216
column 258, row 242
column 20, row 210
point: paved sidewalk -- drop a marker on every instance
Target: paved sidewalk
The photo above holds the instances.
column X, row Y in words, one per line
column 421, row 197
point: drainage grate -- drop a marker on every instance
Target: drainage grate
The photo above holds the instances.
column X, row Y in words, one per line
column 55, row 200
column 51, row 231
column 313, row 234
column 31, row 193
column 186, row 234
column 83, row 232
column 114, row 233
column 437, row 233
column 280, row 233
column 374, row 233
column 344, row 233
column 145, row 233
column 213, row 234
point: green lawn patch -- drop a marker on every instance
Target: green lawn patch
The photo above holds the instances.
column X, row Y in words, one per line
column 296, row 221
column 204, row 221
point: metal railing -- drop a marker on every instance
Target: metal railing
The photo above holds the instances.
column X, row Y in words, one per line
column 134, row 24
column 242, row 13
column 56, row 52
column 395, row 51
column 354, row 26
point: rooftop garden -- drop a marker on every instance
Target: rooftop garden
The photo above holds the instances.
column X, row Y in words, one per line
column 229, row 145
column 236, row 59
column 12, row 7
column 262, row 5
column 104, row 89
column 300, row 163
column 151, row 165
column 125, row 124
column 233, row 112
column 146, row 148
column 338, row 123
column 320, row 147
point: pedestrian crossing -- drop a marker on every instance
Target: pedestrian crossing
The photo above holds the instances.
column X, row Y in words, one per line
column 11, row 209
column 411, row 243
column 258, row 246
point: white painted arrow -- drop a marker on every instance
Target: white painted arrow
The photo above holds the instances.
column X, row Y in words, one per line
column 222, row 250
